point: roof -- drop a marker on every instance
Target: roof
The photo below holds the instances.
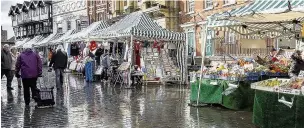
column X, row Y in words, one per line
column 95, row 27
column 27, row 3
column 261, row 18
column 141, row 25
column 12, row 39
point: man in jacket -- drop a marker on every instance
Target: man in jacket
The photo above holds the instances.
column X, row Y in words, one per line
column 30, row 65
column 6, row 66
column 98, row 54
column 59, row 62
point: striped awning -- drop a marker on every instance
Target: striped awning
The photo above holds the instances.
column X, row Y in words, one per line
column 45, row 40
column 21, row 42
column 63, row 38
column 261, row 18
column 141, row 25
column 266, row 11
column 95, row 27
column 33, row 41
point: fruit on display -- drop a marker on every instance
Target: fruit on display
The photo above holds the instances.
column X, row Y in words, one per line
column 272, row 82
column 297, row 84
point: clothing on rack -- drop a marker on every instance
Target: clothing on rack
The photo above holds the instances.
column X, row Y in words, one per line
column 93, row 45
column 74, row 50
column 137, row 46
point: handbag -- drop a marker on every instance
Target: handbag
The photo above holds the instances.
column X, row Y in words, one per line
column 73, row 65
column 99, row 70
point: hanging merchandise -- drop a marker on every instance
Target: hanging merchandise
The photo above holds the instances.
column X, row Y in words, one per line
column 126, row 51
column 82, row 46
column 93, row 45
column 69, row 50
column 74, row 49
column 106, row 45
column 137, row 46
column 146, row 44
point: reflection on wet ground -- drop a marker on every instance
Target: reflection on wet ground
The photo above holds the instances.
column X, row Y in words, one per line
column 82, row 104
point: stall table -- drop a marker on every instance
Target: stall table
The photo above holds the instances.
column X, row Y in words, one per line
column 269, row 113
column 242, row 98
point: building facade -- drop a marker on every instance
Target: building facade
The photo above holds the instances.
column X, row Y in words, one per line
column 31, row 18
column 3, row 35
column 69, row 15
column 194, row 18
column 99, row 10
column 165, row 13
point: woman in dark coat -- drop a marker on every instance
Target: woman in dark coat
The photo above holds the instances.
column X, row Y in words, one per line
column 297, row 64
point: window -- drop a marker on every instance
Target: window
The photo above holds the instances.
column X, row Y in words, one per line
column 91, row 3
column 13, row 18
column 69, row 25
column 209, row 43
column 125, row 2
column 208, row 4
column 225, row 2
column 228, row 2
column 190, row 43
column 78, row 25
column 190, row 6
column 229, row 38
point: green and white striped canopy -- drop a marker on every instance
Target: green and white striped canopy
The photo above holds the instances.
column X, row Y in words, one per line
column 266, row 11
column 261, row 18
column 139, row 24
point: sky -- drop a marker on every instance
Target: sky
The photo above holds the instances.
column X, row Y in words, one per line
column 5, row 20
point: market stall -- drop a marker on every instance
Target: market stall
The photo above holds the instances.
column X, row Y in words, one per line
column 138, row 31
column 228, row 21
column 276, row 100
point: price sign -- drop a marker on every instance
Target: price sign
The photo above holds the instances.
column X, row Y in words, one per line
column 301, row 74
column 213, row 83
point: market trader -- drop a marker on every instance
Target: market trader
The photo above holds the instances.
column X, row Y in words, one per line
column 297, row 64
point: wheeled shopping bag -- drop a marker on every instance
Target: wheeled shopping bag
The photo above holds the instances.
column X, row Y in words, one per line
column 45, row 94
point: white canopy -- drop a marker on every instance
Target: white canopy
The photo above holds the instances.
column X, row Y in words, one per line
column 63, row 38
column 33, row 41
column 21, row 42
column 95, row 27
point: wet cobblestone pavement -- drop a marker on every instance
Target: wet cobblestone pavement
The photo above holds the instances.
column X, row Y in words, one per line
column 81, row 104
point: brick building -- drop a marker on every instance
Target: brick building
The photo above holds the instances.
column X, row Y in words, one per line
column 165, row 13
column 194, row 15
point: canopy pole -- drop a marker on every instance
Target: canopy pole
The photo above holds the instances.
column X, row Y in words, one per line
column 131, row 61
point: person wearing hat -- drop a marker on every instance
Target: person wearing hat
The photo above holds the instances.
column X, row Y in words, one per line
column 6, row 66
column 297, row 64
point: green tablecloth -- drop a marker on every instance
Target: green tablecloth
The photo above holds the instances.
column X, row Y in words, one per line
column 241, row 98
column 269, row 113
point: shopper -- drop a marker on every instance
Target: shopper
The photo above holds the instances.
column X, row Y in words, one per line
column 106, row 65
column 6, row 66
column 297, row 64
column 30, row 66
column 50, row 54
column 98, row 54
column 15, row 54
column 59, row 63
